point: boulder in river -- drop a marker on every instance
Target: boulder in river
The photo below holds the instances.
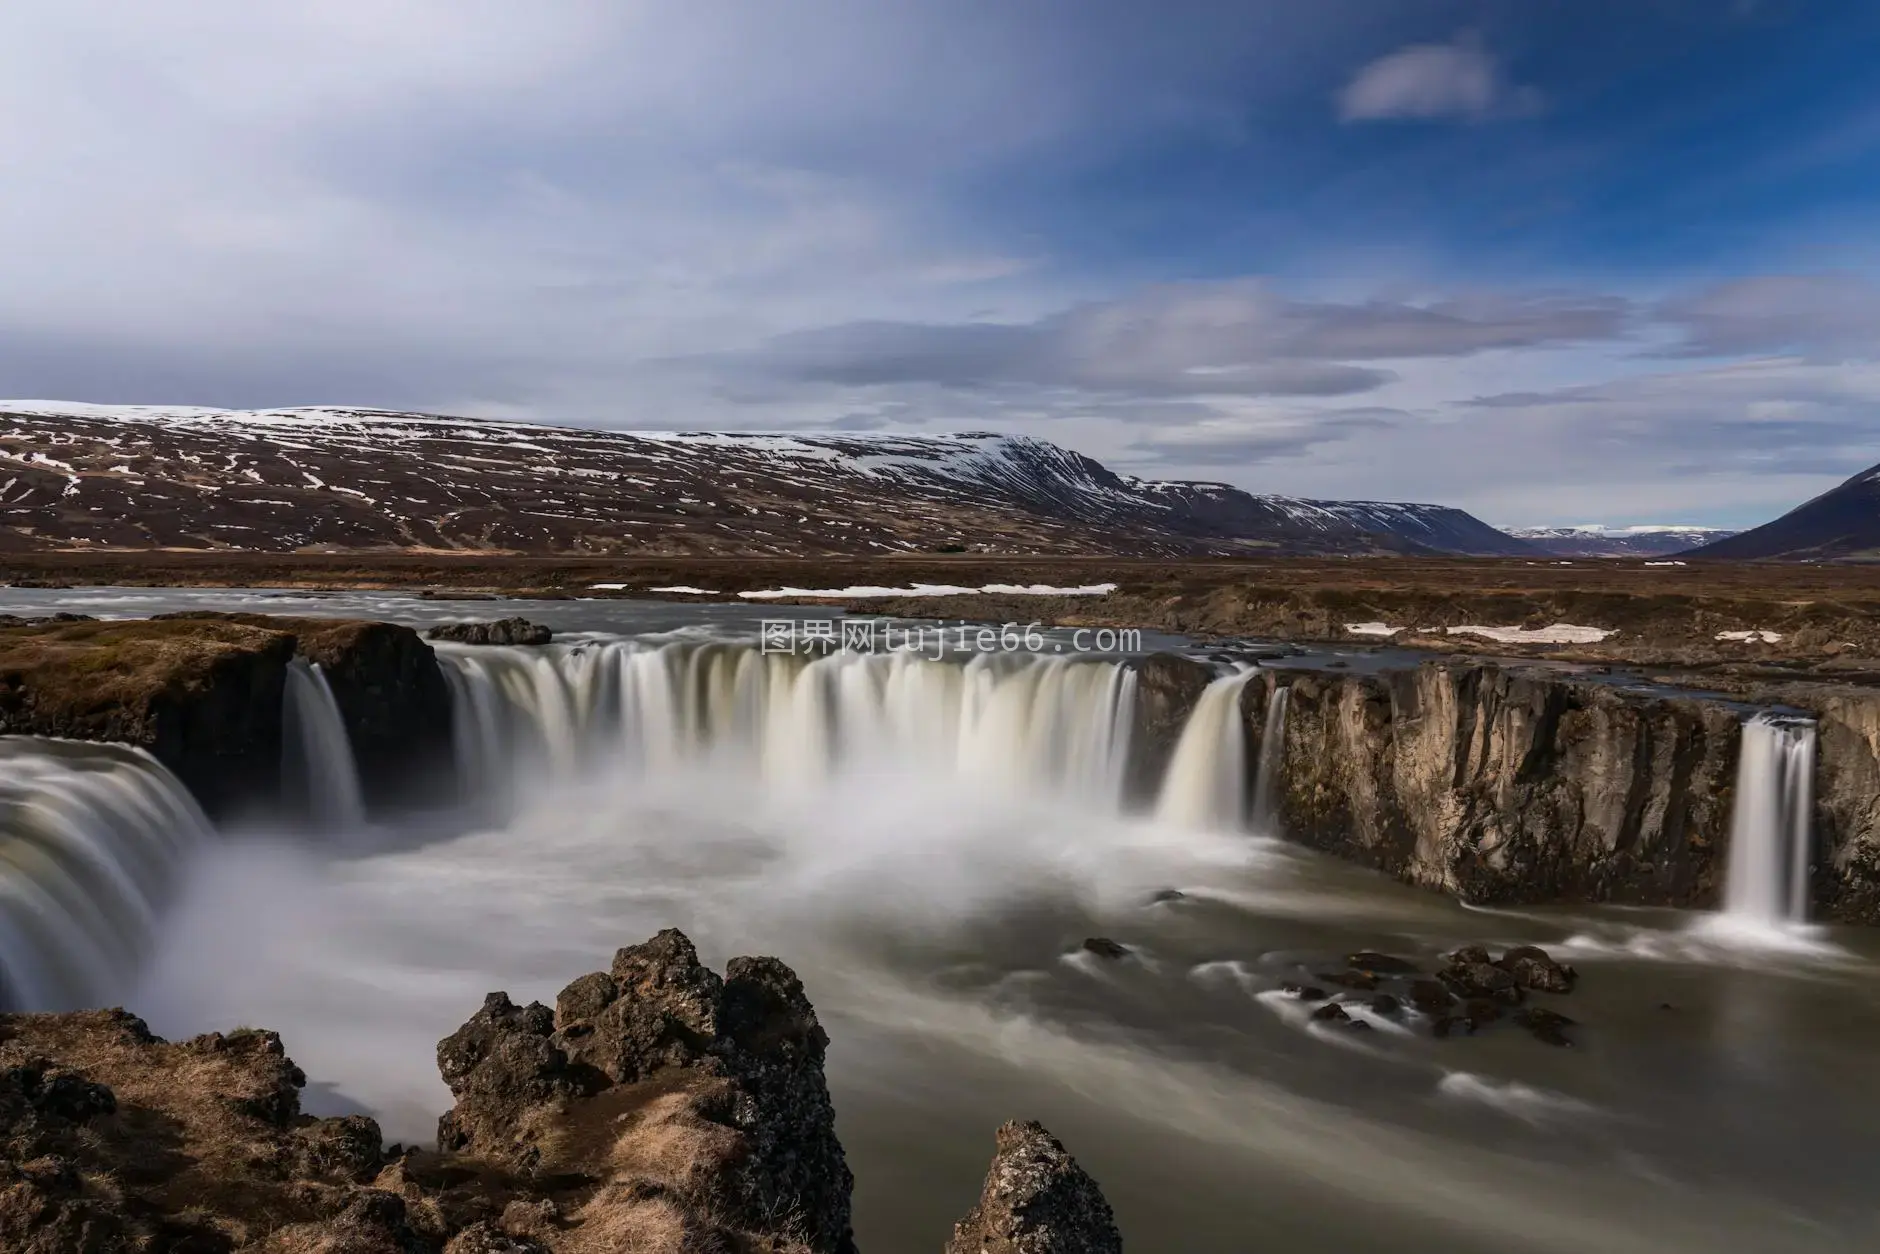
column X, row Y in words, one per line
column 1104, row 947
column 1431, row 997
column 1470, row 974
column 1533, row 968
column 509, row 631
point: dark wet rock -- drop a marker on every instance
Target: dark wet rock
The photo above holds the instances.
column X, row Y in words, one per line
column 1036, row 1200
column 1331, row 1012
column 1104, row 947
column 1359, row 1025
column 1533, row 968
column 1386, row 1005
column 505, row 631
column 1304, row 992
column 1363, row 981
column 1430, row 997
column 1469, row 974
column 1545, row 1025
column 1167, row 895
column 1380, row 964
column 1450, row 1025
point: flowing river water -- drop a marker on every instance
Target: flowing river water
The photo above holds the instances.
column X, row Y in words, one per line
column 928, row 845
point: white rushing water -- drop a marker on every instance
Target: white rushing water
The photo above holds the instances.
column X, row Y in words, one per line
column 1771, row 827
column 93, row 838
column 1023, row 723
column 1207, row 778
column 317, row 759
column 1272, row 764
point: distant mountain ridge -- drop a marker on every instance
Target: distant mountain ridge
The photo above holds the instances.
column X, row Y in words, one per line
column 1842, row 523
column 142, row 477
column 1594, row 540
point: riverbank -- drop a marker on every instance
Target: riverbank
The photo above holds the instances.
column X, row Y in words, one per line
column 1751, row 622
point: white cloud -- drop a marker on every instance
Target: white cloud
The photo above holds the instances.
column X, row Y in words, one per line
column 1460, row 80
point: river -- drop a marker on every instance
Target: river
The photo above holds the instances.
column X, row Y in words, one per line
column 930, row 868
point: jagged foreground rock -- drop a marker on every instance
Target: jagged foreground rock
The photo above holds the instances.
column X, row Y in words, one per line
column 1037, row 1200
column 659, row 1109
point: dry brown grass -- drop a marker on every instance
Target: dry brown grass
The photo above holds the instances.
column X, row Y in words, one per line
column 180, row 1139
column 90, row 666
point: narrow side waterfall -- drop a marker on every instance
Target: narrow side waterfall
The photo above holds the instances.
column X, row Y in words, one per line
column 1771, row 828
column 317, row 764
column 93, row 839
column 1272, row 765
column 1206, row 781
column 1012, row 721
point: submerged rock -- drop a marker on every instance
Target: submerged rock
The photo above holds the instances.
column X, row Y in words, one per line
column 1430, row 997
column 1167, row 895
column 1386, row 1005
column 1104, row 947
column 1380, row 964
column 1036, row 1200
column 505, row 631
column 1304, row 992
column 1331, row 1012
column 1547, row 1026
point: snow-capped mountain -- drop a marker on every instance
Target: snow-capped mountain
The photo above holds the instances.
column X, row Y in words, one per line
column 1843, row 522
column 75, row 475
column 1594, row 540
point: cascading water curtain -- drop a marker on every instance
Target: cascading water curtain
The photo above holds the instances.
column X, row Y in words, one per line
column 317, row 754
column 93, row 841
column 1206, row 781
column 1772, row 824
column 1024, row 721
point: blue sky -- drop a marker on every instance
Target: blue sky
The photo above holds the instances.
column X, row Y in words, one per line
column 1554, row 261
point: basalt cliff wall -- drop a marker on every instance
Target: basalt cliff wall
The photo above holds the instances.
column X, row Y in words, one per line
column 1509, row 784
column 1522, row 783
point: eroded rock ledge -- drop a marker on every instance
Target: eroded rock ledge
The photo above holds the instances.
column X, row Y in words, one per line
column 660, row 1108
column 204, row 693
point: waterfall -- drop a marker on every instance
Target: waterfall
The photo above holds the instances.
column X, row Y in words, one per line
column 1772, row 824
column 93, row 838
column 1011, row 721
column 1272, row 764
column 317, row 757
column 1206, row 781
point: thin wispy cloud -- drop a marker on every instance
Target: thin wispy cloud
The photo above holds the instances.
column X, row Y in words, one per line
column 1460, row 81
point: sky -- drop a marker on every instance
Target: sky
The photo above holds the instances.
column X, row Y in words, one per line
column 1553, row 261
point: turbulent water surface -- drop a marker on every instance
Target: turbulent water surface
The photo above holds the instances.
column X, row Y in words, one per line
column 928, row 847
